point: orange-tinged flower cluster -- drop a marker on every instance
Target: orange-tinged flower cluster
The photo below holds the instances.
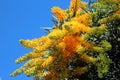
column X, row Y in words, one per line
column 70, row 44
column 77, row 7
column 74, row 6
column 59, row 13
column 118, row 11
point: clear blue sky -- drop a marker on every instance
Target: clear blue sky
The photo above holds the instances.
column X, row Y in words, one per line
column 22, row 19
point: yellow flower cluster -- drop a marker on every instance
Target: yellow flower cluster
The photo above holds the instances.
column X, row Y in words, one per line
column 59, row 13
column 48, row 61
column 57, row 33
column 53, row 54
column 74, row 6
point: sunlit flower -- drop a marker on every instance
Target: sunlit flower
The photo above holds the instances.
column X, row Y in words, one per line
column 46, row 45
column 83, row 5
column 59, row 13
column 29, row 56
column 29, row 43
column 76, row 27
column 80, row 49
column 84, row 19
column 74, row 5
column 57, row 33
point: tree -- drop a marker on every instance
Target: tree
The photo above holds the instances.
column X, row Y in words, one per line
column 83, row 39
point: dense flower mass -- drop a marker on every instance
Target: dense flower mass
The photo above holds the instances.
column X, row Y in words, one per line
column 79, row 43
column 59, row 13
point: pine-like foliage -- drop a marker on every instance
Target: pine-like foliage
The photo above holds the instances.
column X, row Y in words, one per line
column 83, row 45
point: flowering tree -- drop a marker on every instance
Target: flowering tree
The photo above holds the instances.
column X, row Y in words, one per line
column 84, row 38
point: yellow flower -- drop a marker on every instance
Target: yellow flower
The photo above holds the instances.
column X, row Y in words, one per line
column 61, row 45
column 77, row 6
column 79, row 11
column 83, row 19
column 48, row 61
column 72, row 26
column 80, row 49
column 29, row 56
column 29, row 43
column 74, row 5
column 83, row 5
column 46, row 45
column 84, row 38
column 33, row 43
column 18, row 71
column 57, row 33
column 31, row 71
column 86, row 58
column 59, row 13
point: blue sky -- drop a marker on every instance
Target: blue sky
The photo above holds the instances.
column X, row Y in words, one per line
column 22, row 19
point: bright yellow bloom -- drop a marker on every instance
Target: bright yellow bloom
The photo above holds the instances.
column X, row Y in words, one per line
column 34, row 62
column 59, row 13
column 72, row 26
column 80, row 49
column 46, row 45
column 74, row 5
column 57, row 33
column 29, row 43
column 31, row 71
column 33, row 43
column 83, row 5
column 18, row 71
column 77, row 6
column 29, row 56
column 79, row 11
